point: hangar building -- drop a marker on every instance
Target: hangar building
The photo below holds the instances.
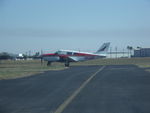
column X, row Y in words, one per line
column 142, row 52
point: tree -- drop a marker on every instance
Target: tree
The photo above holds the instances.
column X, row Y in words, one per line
column 138, row 47
column 129, row 48
column 25, row 56
column 37, row 55
column 5, row 55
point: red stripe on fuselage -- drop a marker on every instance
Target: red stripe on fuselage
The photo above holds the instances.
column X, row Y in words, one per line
column 49, row 54
column 53, row 54
column 62, row 55
column 84, row 54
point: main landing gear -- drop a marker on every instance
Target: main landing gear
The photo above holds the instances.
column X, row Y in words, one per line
column 49, row 63
column 67, row 63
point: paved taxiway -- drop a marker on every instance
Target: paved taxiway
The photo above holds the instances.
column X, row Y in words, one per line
column 83, row 89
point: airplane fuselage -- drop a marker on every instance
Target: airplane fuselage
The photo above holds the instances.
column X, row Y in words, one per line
column 75, row 56
column 72, row 56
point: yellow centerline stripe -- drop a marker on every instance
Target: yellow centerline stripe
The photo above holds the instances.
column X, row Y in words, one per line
column 61, row 108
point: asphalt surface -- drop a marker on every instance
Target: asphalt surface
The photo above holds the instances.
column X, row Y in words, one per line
column 112, row 89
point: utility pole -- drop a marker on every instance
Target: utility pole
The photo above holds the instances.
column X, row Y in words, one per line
column 26, row 53
column 41, row 51
column 123, row 52
column 29, row 53
column 116, row 51
column 110, row 52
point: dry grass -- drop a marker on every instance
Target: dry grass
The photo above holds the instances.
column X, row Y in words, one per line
column 15, row 69
column 143, row 62
column 140, row 62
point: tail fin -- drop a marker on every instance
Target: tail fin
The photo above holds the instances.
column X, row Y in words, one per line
column 103, row 49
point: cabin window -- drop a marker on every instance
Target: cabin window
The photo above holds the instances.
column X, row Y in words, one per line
column 61, row 52
column 58, row 52
column 75, row 53
column 69, row 53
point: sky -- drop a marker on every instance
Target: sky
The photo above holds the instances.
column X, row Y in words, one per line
column 50, row 25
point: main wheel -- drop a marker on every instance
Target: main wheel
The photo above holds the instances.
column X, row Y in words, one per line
column 49, row 63
column 67, row 63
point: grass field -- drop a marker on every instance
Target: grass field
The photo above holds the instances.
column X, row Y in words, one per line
column 15, row 69
column 140, row 62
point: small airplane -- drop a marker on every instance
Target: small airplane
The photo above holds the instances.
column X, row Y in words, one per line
column 68, row 56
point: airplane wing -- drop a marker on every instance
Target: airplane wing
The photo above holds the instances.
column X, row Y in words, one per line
column 76, row 58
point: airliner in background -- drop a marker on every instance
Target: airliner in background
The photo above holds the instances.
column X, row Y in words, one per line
column 68, row 56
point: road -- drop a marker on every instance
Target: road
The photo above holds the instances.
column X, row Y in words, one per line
column 81, row 89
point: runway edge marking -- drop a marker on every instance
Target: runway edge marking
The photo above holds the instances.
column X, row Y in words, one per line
column 61, row 108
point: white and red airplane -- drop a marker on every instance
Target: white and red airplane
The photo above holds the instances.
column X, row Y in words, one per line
column 68, row 56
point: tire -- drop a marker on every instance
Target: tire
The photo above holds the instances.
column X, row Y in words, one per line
column 49, row 63
column 67, row 63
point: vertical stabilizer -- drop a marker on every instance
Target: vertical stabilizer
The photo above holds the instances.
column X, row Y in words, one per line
column 103, row 49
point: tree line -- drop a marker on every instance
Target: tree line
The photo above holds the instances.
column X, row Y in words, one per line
column 6, row 56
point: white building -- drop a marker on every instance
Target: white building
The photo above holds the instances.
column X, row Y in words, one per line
column 118, row 55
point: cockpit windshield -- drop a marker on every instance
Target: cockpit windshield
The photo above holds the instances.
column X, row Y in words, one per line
column 61, row 52
column 64, row 53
